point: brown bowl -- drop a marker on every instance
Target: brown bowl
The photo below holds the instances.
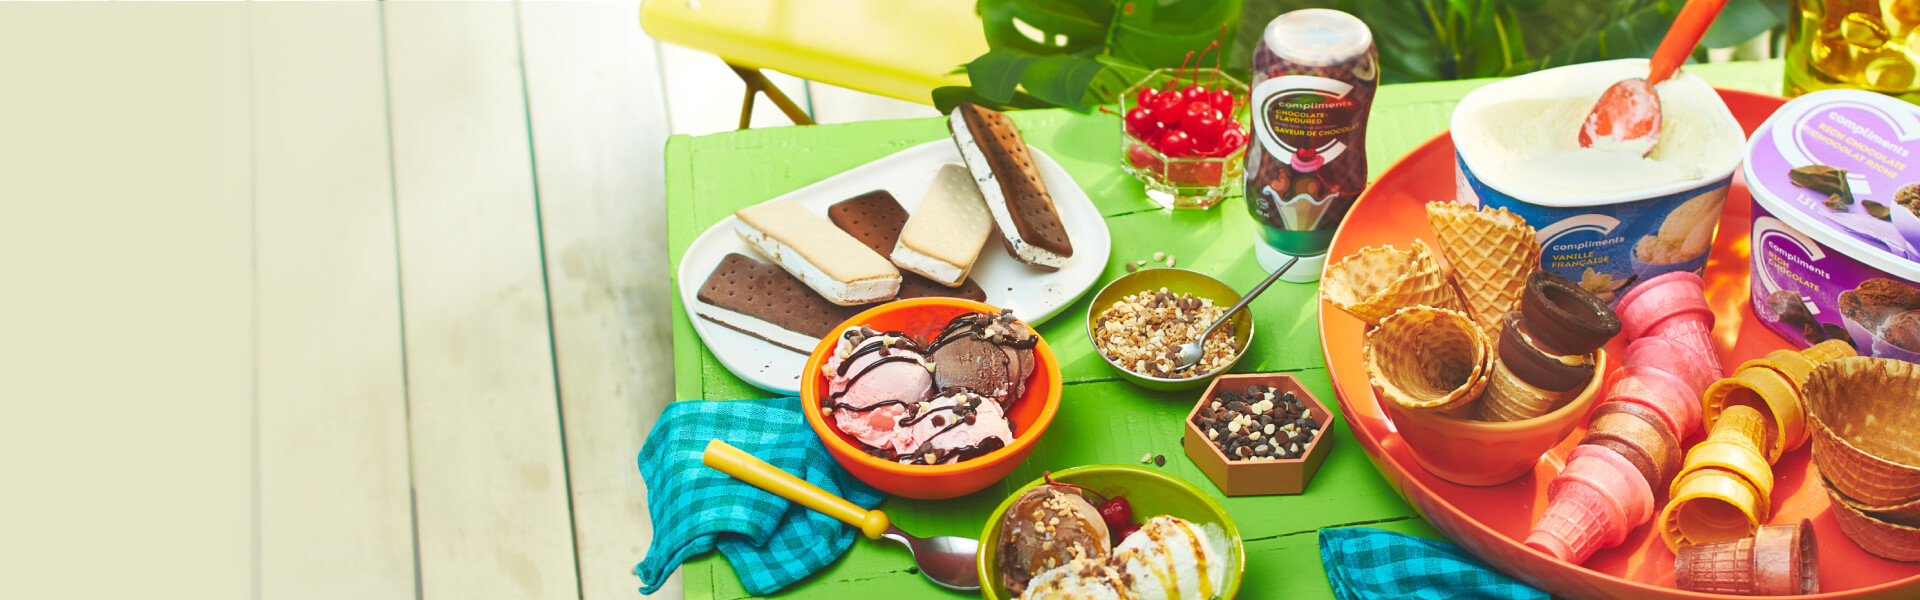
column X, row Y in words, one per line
column 1863, row 414
column 1879, row 538
column 1259, row 477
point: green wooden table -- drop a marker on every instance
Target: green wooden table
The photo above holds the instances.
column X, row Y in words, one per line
column 1102, row 419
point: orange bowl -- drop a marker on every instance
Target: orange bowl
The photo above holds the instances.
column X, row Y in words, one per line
column 921, row 318
column 1484, row 453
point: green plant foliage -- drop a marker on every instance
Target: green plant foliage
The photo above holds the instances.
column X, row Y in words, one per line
column 1082, row 53
column 1090, row 50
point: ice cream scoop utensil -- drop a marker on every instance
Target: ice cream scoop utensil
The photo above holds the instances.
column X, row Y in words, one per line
column 947, row 561
column 1628, row 113
column 1189, row 354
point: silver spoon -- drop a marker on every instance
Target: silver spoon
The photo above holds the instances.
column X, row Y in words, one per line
column 946, row 560
column 1189, row 353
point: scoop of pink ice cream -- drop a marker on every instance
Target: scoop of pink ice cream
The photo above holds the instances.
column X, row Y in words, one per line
column 956, row 426
column 872, row 379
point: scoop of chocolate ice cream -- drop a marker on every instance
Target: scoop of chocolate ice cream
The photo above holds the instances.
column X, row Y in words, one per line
column 990, row 354
column 1876, row 299
column 1047, row 527
column 1903, row 330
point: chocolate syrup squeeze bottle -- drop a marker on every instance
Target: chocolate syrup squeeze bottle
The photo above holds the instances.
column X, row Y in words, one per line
column 1314, row 75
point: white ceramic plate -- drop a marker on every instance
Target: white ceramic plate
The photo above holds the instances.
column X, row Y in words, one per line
column 1033, row 294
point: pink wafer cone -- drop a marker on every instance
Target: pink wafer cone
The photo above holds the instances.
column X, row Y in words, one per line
column 1660, row 390
column 1696, row 335
column 1591, row 505
column 1664, row 298
column 1673, row 357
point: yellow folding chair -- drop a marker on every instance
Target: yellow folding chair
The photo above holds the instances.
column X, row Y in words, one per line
column 897, row 48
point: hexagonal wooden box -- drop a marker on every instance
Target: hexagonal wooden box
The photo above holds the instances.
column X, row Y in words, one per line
column 1259, row 477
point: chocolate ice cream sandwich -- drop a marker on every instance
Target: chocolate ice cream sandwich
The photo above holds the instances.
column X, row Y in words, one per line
column 764, row 301
column 1007, row 177
column 840, row 268
column 876, row 219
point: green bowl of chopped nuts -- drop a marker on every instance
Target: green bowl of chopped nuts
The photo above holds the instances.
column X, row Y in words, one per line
column 1138, row 320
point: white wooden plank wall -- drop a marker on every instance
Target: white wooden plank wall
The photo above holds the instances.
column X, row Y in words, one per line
column 336, row 514
column 126, row 327
column 598, row 114
column 354, row 300
column 489, row 475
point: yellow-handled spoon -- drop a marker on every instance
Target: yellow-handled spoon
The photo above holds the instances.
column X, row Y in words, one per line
column 946, row 560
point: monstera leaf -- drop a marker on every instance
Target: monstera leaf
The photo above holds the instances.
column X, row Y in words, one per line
column 1081, row 53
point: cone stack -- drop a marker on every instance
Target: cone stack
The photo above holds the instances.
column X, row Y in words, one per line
column 1651, row 404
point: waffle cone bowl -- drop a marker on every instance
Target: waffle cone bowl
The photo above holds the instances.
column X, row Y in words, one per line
column 1867, row 428
column 1492, row 252
column 1493, row 521
column 1374, row 282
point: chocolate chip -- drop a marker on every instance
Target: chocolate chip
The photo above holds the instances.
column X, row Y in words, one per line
column 1266, row 419
column 1159, row 460
column 1238, row 407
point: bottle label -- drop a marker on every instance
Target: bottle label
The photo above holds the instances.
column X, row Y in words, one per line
column 1303, row 111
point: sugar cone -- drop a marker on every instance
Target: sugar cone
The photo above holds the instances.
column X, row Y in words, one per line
column 1660, row 390
column 1510, row 399
column 1785, row 426
column 1492, row 252
column 1429, row 359
column 1779, row 560
column 1717, row 568
column 1659, row 298
column 1716, row 504
column 1577, row 523
column 1591, row 505
column 1673, row 357
column 1374, row 282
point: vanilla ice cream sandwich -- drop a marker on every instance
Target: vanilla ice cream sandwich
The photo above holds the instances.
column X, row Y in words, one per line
column 876, row 219
column 838, row 267
column 1010, row 182
column 944, row 237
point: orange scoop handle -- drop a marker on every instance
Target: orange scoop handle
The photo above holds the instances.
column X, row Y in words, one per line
column 749, row 468
column 1688, row 26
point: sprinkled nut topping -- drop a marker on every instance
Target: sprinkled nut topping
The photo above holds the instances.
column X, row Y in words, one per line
column 1143, row 332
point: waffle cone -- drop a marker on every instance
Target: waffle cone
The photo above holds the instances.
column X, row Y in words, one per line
column 1429, row 359
column 1374, row 282
column 1879, row 538
column 1510, row 399
column 1492, row 252
column 1864, row 426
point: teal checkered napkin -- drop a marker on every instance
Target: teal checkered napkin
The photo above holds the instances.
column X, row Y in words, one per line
column 1371, row 564
column 770, row 541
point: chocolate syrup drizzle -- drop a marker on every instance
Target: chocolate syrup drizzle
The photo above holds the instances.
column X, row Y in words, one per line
column 975, row 325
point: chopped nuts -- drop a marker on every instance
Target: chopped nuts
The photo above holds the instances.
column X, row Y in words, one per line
column 1143, row 332
column 1170, row 261
column 1159, row 256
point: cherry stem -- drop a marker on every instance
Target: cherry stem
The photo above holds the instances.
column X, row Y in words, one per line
column 1048, row 477
column 1104, row 109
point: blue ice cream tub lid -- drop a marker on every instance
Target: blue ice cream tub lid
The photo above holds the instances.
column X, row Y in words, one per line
column 1607, row 218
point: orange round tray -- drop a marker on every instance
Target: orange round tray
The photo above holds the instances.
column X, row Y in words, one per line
column 1491, row 522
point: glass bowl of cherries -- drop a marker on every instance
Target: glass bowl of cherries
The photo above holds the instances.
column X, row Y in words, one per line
column 1185, row 136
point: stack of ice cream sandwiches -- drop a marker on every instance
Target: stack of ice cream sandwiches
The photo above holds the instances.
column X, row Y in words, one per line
column 869, row 249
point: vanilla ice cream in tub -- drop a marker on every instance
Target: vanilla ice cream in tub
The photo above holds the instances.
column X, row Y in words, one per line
column 1829, row 268
column 1607, row 217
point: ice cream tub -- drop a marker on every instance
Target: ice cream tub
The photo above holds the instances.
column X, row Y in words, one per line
column 1834, row 233
column 1606, row 216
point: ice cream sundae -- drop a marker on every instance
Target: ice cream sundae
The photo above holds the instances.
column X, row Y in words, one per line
column 940, row 402
column 1054, row 544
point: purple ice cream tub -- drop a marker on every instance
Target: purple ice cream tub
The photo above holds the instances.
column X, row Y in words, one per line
column 1824, row 268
